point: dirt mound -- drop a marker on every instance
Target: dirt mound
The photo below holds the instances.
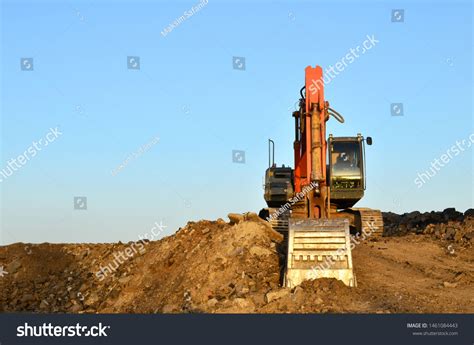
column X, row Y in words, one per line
column 236, row 267
column 206, row 266
column 449, row 225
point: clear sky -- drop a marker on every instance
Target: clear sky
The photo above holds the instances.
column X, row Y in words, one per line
column 179, row 117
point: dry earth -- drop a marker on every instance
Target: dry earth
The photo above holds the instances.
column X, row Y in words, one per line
column 424, row 264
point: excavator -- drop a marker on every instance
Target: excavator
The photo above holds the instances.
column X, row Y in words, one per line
column 312, row 203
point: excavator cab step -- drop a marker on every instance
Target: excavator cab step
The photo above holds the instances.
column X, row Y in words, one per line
column 319, row 248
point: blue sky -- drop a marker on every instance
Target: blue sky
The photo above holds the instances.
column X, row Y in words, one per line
column 187, row 94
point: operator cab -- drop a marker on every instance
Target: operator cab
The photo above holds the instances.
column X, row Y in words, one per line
column 346, row 175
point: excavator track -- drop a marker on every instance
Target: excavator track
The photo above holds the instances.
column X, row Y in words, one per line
column 279, row 221
column 318, row 248
column 371, row 221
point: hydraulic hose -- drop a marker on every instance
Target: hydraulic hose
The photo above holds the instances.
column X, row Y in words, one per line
column 336, row 115
column 301, row 93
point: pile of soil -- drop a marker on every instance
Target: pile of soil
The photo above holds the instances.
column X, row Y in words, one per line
column 449, row 225
column 236, row 267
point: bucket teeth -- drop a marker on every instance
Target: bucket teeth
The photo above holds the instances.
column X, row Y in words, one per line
column 319, row 248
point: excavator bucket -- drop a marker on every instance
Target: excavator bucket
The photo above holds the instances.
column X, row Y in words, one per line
column 319, row 248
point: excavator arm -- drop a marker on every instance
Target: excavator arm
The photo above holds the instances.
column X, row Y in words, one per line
column 315, row 198
column 318, row 246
